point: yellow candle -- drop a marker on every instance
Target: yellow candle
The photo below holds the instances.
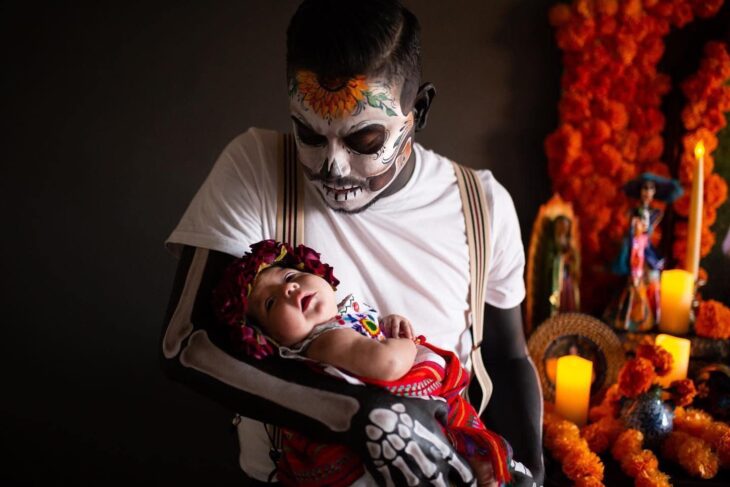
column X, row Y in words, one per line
column 677, row 291
column 694, row 228
column 679, row 348
column 573, row 388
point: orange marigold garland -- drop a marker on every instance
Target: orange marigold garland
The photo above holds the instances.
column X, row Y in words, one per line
column 708, row 98
column 637, row 462
column 610, row 118
column 692, row 453
column 563, row 439
column 713, row 320
column 701, row 425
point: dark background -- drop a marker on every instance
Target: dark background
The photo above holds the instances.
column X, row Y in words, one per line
column 112, row 116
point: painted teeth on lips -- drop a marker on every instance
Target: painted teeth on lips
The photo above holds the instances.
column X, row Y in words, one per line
column 342, row 194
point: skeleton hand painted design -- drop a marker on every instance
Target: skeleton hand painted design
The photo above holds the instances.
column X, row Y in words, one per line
column 402, row 450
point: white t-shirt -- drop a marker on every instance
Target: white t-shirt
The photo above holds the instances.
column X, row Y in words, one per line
column 406, row 254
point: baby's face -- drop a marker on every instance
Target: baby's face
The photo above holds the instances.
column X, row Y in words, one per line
column 288, row 303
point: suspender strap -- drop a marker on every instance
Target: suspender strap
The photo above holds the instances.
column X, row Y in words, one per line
column 476, row 217
column 289, row 199
column 289, row 222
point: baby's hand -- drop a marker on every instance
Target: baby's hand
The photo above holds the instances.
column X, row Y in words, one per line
column 396, row 326
column 483, row 472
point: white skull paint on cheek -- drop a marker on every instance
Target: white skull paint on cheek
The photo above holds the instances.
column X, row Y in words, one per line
column 352, row 137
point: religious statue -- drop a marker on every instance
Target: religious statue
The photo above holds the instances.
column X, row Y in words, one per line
column 553, row 267
column 638, row 305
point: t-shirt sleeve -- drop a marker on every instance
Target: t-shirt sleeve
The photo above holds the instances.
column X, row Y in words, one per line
column 232, row 209
column 505, row 282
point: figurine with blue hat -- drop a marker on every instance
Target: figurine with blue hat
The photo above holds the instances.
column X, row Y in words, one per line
column 638, row 305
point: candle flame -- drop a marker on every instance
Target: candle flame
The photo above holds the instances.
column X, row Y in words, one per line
column 700, row 149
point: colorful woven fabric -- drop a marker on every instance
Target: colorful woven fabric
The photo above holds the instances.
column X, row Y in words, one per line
column 308, row 463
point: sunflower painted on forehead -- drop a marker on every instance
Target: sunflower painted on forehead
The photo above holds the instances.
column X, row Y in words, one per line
column 337, row 97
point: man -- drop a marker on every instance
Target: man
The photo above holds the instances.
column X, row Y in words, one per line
column 387, row 214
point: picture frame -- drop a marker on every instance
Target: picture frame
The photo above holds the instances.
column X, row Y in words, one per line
column 576, row 334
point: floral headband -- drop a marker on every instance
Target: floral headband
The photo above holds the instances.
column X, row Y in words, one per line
column 230, row 297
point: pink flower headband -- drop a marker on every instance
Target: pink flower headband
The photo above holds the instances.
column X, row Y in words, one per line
column 230, row 297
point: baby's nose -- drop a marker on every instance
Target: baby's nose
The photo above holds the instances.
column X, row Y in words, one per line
column 290, row 288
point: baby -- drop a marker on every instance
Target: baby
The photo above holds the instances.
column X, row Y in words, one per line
column 279, row 298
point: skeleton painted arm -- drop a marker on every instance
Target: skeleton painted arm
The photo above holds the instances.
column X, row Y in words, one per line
column 515, row 408
column 400, row 439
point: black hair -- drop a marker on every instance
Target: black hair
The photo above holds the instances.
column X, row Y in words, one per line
column 339, row 39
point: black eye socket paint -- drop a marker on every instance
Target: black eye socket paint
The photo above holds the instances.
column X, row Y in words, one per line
column 368, row 140
column 307, row 135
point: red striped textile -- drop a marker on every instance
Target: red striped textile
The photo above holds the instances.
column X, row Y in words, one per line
column 310, row 464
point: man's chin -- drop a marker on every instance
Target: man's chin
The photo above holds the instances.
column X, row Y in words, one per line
column 354, row 205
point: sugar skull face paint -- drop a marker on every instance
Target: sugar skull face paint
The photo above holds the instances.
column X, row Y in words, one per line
column 352, row 136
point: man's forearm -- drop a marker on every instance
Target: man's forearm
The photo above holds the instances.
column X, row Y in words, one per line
column 515, row 410
column 515, row 407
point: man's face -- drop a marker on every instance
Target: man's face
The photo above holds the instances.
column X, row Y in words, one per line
column 352, row 136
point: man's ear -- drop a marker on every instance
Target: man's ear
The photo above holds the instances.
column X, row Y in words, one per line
column 424, row 97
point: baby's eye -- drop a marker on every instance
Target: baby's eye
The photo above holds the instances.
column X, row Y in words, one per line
column 289, row 276
column 268, row 304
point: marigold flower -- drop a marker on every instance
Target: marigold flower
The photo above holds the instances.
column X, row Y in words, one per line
column 632, row 8
column 637, row 462
column 697, row 458
column 588, row 482
column 651, row 149
column 652, row 478
column 706, row 8
column 683, row 392
column 715, row 190
column 574, row 108
column 626, row 48
column 606, row 26
column 595, row 132
column 629, row 441
column 573, row 36
column 652, row 50
column 682, row 14
column 581, row 462
column 601, row 434
column 607, row 7
column 723, row 450
column 636, row 377
column 713, row 320
column 658, row 356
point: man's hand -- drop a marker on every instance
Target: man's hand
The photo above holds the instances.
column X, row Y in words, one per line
column 405, row 444
column 396, row 326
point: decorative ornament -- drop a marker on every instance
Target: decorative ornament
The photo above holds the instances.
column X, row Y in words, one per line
column 649, row 414
column 553, row 264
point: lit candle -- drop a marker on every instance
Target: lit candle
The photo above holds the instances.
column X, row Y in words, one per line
column 694, row 228
column 677, row 291
column 679, row 348
column 573, row 388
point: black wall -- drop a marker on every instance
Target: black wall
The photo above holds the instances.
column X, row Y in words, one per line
column 112, row 116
